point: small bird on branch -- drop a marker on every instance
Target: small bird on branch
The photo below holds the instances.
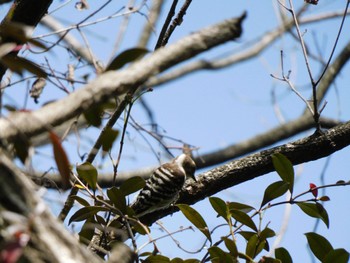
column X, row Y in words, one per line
column 163, row 187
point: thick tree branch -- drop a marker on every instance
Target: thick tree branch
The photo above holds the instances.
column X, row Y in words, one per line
column 21, row 208
column 238, row 171
column 117, row 83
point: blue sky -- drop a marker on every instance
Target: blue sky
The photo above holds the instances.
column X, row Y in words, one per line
column 214, row 109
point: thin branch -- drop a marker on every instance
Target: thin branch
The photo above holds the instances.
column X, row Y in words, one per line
column 252, row 50
column 260, row 141
column 176, row 22
column 335, row 43
column 166, row 24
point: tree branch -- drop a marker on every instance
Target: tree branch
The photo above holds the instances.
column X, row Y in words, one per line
column 238, row 171
column 117, row 83
column 21, row 208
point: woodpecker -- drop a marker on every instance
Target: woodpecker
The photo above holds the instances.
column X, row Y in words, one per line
column 163, row 187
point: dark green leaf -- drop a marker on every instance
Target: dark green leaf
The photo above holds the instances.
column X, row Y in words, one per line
column 88, row 172
column 247, row 234
column 282, row 254
column 274, row 191
column 269, row 260
column 157, row 259
column 190, row 260
column 337, row 255
column 80, row 200
column 86, row 212
column 219, row 206
column 176, row 260
column 252, row 244
column 125, row 57
column 141, row 228
column 100, row 220
column 260, row 247
column 87, row 232
column 284, row 168
column 319, row 245
column 19, row 32
column 217, row 255
column 315, row 210
column 117, row 198
column 195, row 218
column 243, row 218
column 266, row 233
column 239, row 206
column 18, row 64
column 132, row 185
column 108, row 137
column 93, row 115
column 231, row 246
column 21, row 146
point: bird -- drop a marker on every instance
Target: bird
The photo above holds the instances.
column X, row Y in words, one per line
column 162, row 188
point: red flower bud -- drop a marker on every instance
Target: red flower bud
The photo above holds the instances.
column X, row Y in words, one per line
column 314, row 189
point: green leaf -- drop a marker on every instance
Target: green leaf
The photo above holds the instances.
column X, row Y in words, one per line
column 274, row 191
column 195, row 218
column 247, row 234
column 219, row 206
column 243, row 218
column 319, row 245
column 266, row 233
column 132, row 185
column 252, row 244
column 88, row 172
column 176, row 260
column 108, row 137
column 18, row 64
column 125, row 57
column 140, row 228
column 117, row 197
column 87, row 231
column 269, row 260
column 217, row 255
column 86, row 212
column 93, row 115
column 284, row 168
column 239, row 206
column 157, row 259
column 337, row 255
column 282, row 254
column 231, row 246
column 100, row 220
column 21, row 145
column 261, row 246
column 192, row 260
column 316, row 211
column 80, row 200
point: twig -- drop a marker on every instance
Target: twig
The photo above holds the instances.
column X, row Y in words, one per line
column 171, row 13
column 176, row 22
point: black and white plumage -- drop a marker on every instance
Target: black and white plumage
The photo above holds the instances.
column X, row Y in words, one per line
column 163, row 187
